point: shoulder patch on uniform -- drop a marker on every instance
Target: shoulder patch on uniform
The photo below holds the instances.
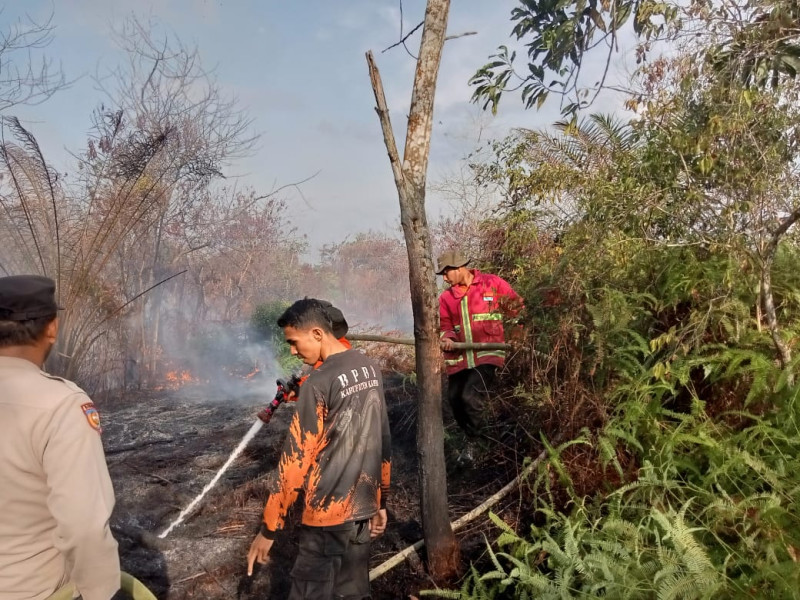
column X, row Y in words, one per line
column 92, row 416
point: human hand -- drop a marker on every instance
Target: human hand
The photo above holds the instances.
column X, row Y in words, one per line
column 265, row 414
column 259, row 550
column 446, row 344
column 377, row 524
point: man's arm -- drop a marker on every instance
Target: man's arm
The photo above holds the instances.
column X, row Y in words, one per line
column 259, row 551
column 377, row 524
column 510, row 305
column 447, row 333
column 386, row 457
column 81, row 499
column 299, row 451
column 511, row 301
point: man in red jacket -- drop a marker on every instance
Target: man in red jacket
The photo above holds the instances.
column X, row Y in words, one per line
column 471, row 310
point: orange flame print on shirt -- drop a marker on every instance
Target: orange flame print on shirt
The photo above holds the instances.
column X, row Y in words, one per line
column 386, row 477
column 299, row 453
column 333, row 513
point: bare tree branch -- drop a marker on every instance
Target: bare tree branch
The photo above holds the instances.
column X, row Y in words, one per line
column 460, row 35
column 22, row 81
column 404, row 38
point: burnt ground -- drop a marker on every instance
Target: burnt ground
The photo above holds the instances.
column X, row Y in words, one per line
column 164, row 447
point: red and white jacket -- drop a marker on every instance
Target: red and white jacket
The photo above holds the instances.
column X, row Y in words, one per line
column 473, row 316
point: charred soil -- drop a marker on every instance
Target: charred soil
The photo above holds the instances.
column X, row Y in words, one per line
column 164, row 447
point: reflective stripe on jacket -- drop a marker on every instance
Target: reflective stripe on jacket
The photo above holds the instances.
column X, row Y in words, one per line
column 474, row 316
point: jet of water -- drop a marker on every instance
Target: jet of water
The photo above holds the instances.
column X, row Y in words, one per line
column 236, row 452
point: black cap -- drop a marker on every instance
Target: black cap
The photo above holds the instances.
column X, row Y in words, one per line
column 25, row 297
column 338, row 322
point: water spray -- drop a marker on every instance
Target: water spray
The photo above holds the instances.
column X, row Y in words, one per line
column 285, row 388
column 234, row 455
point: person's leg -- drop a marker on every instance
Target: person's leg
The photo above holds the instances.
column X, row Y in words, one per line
column 476, row 389
column 319, row 559
column 455, row 392
column 352, row 582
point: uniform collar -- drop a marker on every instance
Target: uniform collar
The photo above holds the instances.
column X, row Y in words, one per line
column 12, row 362
column 459, row 291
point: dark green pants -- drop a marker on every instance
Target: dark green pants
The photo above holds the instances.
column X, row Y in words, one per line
column 332, row 563
column 467, row 391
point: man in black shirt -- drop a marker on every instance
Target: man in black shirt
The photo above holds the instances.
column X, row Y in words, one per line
column 339, row 452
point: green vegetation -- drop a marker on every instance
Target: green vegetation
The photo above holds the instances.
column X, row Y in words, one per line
column 690, row 488
column 749, row 42
column 658, row 260
column 264, row 323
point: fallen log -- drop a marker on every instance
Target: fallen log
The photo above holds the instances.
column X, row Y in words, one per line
column 368, row 337
column 190, row 577
column 388, row 565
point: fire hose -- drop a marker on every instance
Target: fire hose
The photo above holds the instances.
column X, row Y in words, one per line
column 286, row 387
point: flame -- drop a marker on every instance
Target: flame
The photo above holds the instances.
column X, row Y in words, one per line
column 253, row 373
column 175, row 379
column 179, row 377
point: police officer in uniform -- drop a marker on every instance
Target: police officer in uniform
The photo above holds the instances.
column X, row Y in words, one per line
column 55, row 491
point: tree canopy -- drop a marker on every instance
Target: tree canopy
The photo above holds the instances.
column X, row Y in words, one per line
column 754, row 43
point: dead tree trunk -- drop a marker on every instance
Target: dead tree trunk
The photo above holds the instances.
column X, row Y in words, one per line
column 410, row 178
column 767, row 260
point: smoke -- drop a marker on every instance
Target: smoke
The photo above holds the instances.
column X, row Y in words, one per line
column 226, row 362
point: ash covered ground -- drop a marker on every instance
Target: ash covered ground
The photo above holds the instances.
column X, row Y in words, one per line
column 163, row 447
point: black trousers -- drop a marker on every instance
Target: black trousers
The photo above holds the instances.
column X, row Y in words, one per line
column 332, row 563
column 467, row 391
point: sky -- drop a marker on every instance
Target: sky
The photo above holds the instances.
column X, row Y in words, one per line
column 299, row 71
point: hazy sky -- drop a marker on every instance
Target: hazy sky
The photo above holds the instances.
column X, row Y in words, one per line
column 298, row 69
